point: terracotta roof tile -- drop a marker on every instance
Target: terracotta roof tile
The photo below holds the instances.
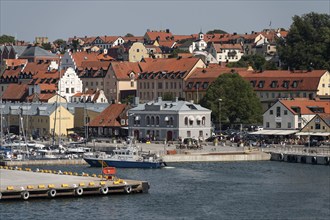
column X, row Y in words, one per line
column 123, row 69
column 109, row 117
column 299, row 81
column 153, row 35
column 169, row 65
column 82, row 56
column 15, row 92
column 134, row 39
column 15, row 62
column 306, row 106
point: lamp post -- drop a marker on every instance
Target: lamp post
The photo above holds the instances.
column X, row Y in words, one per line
column 220, row 100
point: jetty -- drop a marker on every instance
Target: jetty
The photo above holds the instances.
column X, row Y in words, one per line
column 18, row 183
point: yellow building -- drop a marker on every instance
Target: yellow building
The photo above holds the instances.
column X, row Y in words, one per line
column 137, row 52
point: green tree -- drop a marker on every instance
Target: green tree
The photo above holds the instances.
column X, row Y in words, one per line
column 129, row 35
column 46, row 46
column 6, row 39
column 167, row 96
column 59, row 42
column 216, row 31
column 257, row 62
column 307, row 44
column 239, row 101
column 176, row 51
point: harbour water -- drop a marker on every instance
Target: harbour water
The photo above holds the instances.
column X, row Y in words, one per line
column 222, row 190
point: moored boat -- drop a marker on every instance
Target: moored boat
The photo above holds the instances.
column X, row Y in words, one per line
column 126, row 157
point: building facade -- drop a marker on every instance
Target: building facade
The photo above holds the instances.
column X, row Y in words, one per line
column 169, row 120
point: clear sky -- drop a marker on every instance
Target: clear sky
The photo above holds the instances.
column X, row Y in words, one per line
column 55, row 19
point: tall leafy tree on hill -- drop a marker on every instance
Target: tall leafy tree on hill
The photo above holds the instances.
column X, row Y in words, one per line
column 6, row 39
column 239, row 101
column 216, row 31
column 307, row 44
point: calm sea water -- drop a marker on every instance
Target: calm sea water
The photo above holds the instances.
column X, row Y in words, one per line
column 235, row 190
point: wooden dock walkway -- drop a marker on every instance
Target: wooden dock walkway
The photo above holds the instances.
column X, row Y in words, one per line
column 25, row 184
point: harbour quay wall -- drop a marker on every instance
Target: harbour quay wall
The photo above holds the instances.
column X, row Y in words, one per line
column 42, row 162
column 301, row 158
column 214, row 157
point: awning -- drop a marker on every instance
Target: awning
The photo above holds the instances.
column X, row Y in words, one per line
column 274, row 132
column 313, row 133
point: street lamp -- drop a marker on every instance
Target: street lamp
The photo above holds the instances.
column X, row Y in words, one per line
column 220, row 100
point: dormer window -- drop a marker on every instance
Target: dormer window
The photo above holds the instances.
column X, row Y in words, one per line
column 295, row 84
column 261, row 84
column 286, row 84
column 273, row 84
column 131, row 75
column 197, row 85
column 190, row 85
column 205, row 85
column 253, row 83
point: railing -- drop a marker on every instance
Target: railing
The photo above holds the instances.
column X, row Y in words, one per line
column 298, row 150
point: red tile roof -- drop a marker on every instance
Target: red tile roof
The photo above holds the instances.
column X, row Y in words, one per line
column 43, row 97
column 15, row 62
column 169, row 65
column 167, row 43
column 109, row 117
column 82, row 56
column 307, row 81
column 153, row 35
column 134, row 39
column 306, row 105
column 108, row 39
column 15, row 92
column 123, row 69
column 12, row 72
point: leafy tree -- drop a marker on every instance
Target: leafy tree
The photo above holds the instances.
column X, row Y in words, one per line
column 75, row 44
column 256, row 61
column 167, row 96
column 307, row 44
column 128, row 100
column 59, row 42
column 239, row 101
column 46, row 46
column 129, row 35
column 176, row 51
column 216, row 31
column 6, row 39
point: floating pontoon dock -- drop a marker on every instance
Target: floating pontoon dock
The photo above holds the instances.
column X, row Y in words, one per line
column 16, row 183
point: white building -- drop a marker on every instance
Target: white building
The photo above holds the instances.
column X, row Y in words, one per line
column 225, row 52
column 199, row 44
column 293, row 113
column 169, row 120
column 69, row 84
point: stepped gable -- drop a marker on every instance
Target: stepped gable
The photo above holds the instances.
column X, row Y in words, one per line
column 109, row 117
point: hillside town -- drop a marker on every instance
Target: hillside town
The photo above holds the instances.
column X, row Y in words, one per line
column 151, row 87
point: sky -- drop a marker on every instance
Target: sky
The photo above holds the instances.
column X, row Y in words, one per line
column 26, row 19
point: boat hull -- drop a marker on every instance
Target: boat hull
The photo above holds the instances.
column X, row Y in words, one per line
column 123, row 164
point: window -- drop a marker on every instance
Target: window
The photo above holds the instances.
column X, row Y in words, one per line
column 122, row 121
column 157, row 120
column 137, row 50
column 186, row 121
column 295, row 84
column 148, row 120
column 72, row 90
column 278, row 111
column 273, row 84
column 200, row 133
column 188, row 133
column 278, row 125
column 160, row 85
column 132, row 83
column 152, row 120
column 271, row 112
column 289, row 124
column 67, row 90
column 286, row 84
column 261, row 84
column 267, row 124
column 317, row 126
column 285, row 112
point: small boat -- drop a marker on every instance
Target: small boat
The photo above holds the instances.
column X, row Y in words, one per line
column 125, row 157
